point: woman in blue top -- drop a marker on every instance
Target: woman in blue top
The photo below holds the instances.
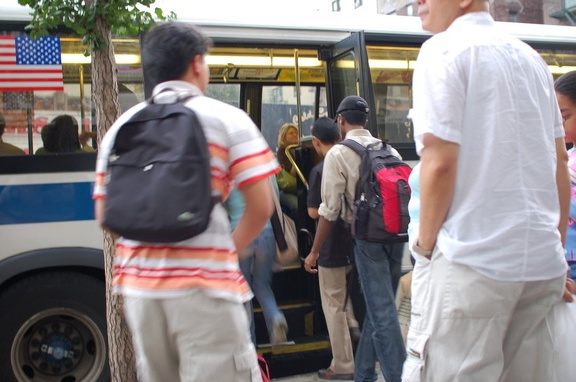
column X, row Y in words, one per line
column 256, row 264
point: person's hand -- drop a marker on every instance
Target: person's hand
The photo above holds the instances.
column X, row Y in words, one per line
column 85, row 136
column 569, row 290
column 310, row 262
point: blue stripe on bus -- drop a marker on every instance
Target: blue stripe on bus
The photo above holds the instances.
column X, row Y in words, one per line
column 46, row 203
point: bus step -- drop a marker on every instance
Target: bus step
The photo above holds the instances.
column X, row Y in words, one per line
column 299, row 316
column 298, row 356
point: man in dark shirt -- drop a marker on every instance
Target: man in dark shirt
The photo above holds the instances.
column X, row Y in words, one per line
column 334, row 263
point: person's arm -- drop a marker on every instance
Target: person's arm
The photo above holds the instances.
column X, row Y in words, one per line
column 99, row 205
column 313, row 201
column 437, row 182
column 563, row 185
column 313, row 213
column 314, row 198
column 333, row 186
column 324, row 227
column 259, row 209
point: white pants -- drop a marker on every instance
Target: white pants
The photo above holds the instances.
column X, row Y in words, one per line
column 191, row 339
column 467, row 327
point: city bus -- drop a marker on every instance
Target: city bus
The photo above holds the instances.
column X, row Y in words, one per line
column 294, row 68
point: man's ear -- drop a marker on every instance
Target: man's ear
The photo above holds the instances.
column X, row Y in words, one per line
column 197, row 64
column 317, row 145
column 315, row 141
column 465, row 4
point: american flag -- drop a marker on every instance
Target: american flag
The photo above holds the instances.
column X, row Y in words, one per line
column 28, row 65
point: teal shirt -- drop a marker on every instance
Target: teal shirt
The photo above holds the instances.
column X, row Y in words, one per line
column 235, row 205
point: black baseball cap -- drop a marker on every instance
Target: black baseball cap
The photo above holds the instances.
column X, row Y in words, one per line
column 352, row 103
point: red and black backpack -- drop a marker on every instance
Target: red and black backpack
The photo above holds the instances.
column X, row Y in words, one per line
column 382, row 194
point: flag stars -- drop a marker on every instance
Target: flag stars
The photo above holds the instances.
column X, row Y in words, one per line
column 44, row 51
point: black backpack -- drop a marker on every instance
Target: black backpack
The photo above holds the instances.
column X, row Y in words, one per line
column 380, row 212
column 159, row 181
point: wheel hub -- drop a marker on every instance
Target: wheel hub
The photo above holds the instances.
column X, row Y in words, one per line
column 55, row 347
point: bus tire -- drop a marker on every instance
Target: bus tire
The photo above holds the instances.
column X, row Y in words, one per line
column 53, row 328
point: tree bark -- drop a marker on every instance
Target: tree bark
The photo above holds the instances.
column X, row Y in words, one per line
column 122, row 360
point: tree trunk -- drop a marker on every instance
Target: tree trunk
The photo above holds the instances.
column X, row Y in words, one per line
column 121, row 354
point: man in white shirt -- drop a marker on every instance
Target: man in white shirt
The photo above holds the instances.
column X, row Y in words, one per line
column 378, row 264
column 494, row 193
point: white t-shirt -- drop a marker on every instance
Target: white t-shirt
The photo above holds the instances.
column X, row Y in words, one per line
column 494, row 96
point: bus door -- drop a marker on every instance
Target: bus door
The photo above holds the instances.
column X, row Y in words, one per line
column 348, row 73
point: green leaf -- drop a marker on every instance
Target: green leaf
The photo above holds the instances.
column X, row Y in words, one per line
column 120, row 15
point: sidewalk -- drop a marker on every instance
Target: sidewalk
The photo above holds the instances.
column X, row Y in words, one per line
column 313, row 377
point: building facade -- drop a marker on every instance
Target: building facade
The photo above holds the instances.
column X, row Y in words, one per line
column 561, row 12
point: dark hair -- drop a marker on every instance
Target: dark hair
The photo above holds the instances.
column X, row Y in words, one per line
column 169, row 47
column 2, row 124
column 61, row 135
column 355, row 117
column 326, row 130
column 566, row 85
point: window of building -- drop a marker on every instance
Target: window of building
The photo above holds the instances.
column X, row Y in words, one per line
column 336, row 6
column 357, row 3
column 410, row 10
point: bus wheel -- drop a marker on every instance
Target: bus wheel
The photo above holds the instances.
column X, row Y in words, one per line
column 53, row 328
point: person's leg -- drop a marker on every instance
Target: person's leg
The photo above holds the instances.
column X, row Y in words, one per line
column 333, row 296
column 458, row 324
column 246, row 259
column 212, row 339
column 156, row 355
column 262, row 274
column 529, row 342
column 356, row 295
column 379, row 269
column 352, row 322
column 403, row 303
column 365, row 359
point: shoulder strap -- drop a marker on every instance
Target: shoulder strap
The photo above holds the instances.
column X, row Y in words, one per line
column 360, row 150
column 181, row 97
column 357, row 147
column 385, row 146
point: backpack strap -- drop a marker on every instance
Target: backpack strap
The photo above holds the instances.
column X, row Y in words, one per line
column 181, row 97
column 360, row 150
column 357, row 147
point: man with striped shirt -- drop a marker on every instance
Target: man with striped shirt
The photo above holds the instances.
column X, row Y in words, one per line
column 184, row 301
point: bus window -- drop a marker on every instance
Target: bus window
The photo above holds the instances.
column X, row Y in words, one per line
column 391, row 69
column 393, row 102
column 343, row 77
column 279, row 106
column 559, row 61
column 228, row 93
column 27, row 112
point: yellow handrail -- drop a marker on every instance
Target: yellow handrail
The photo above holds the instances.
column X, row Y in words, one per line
column 293, row 162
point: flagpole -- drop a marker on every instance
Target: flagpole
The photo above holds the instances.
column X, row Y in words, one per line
column 82, row 112
column 30, row 120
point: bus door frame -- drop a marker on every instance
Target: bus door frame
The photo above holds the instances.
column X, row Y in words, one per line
column 351, row 49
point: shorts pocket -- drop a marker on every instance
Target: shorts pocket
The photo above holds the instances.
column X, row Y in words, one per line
column 246, row 362
column 416, row 356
